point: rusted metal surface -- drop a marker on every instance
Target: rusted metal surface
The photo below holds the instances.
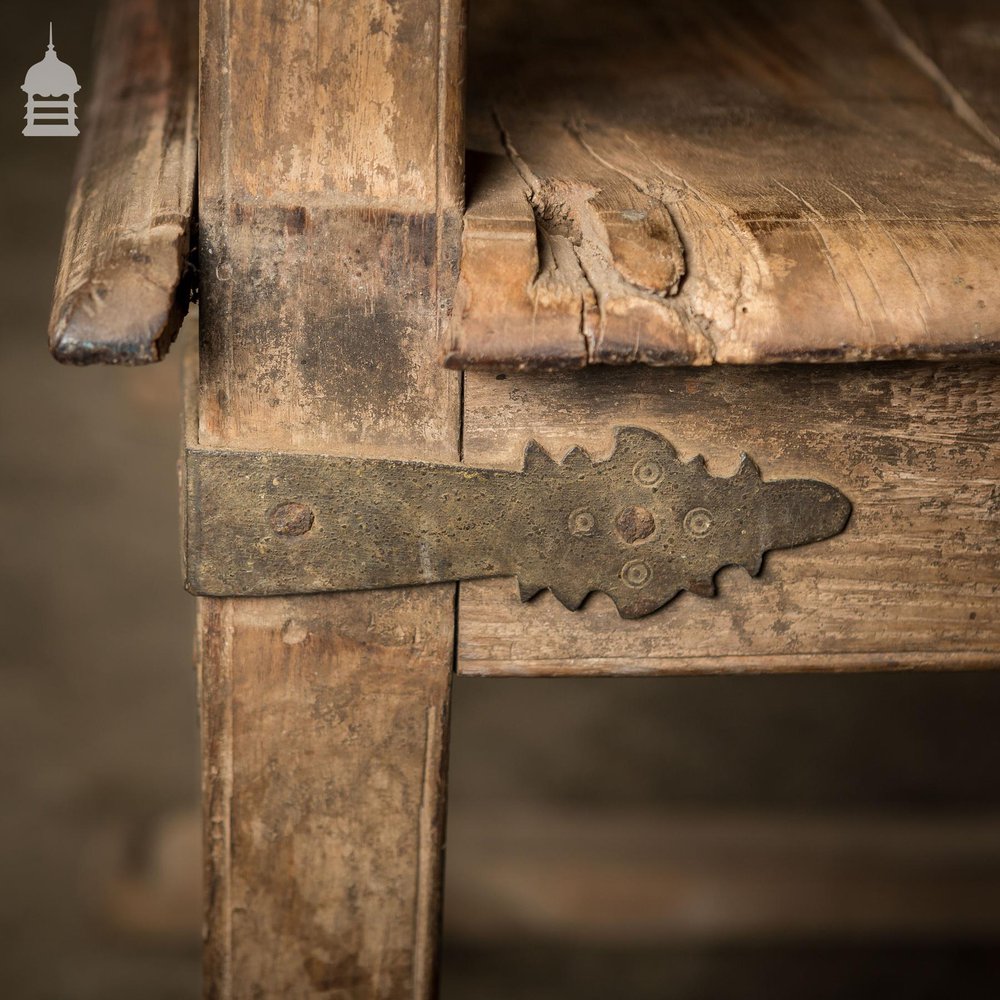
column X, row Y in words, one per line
column 640, row 525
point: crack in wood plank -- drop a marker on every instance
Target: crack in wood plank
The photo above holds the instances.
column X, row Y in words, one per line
column 584, row 252
column 953, row 97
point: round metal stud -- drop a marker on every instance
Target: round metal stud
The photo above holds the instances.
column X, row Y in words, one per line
column 291, row 519
column 635, row 524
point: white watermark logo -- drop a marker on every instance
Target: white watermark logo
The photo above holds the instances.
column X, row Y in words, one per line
column 51, row 88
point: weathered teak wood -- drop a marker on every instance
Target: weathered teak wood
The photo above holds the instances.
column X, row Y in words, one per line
column 913, row 581
column 330, row 200
column 740, row 182
column 124, row 277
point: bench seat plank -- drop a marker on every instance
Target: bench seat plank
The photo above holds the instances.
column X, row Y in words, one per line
column 737, row 182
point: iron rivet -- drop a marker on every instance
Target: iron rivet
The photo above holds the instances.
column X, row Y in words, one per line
column 636, row 573
column 291, row 519
column 698, row 522
column 635, row 524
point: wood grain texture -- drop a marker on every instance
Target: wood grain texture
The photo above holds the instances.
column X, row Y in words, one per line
column 331, row 199
column 751, row 182
column 330, row 194
column 325, row 725
column 124, row 279
column 956, row 46
column 913, row 581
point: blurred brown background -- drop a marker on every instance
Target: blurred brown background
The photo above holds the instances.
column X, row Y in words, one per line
column 712, row 838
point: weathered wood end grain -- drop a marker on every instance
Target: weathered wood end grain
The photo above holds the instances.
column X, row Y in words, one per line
column 731, row 181
column 125, row 278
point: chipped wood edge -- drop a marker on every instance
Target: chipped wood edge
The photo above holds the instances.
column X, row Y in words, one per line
column 125, row 278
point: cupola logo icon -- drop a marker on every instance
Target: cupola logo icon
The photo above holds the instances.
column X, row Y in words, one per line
column 51, row 88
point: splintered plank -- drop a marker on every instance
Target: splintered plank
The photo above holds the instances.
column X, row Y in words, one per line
column 736, row 182
column 330, row 202
column 912, row 582
column 124, row 279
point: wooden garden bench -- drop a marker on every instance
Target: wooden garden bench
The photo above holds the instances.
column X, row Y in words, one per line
column 759, row 227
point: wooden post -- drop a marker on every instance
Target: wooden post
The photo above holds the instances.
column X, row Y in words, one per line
column 330, row 202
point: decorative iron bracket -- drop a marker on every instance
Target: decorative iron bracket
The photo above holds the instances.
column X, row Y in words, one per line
column 640, row 525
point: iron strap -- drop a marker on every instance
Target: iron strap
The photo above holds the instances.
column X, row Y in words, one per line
column 640, row 525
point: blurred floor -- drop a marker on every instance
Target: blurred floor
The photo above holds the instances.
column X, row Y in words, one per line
column 98, row 733
column 98, row 742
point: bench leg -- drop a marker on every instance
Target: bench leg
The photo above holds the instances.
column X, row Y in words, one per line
column 324, row 723
column 330, row 201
